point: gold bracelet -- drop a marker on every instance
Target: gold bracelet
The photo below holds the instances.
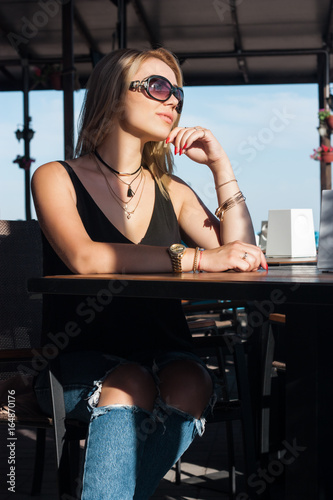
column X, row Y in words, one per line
column 199, row 263
column 229, row 203
column 195, row 260
column 224, row 183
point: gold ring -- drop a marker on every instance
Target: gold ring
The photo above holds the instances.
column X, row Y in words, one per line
column 245, row 256
column 201, row 130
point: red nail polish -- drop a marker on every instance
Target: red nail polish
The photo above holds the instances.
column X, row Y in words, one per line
column 176, row 150
column 185, row 146
column 180, row 151
column 167, row 140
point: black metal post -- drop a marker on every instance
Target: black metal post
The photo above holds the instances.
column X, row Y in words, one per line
column 26, row 136
column 122, row 22
column 68, row 76
column 324, row 94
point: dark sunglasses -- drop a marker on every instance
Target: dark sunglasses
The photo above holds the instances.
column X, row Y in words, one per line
column 160, row 89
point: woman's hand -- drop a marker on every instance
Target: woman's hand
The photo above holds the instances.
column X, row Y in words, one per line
column 236, row 255
column 199, row 144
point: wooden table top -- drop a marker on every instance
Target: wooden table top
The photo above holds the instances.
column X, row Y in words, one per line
column 299, row 283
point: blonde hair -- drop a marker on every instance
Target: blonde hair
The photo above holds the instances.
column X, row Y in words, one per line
column 104, row 101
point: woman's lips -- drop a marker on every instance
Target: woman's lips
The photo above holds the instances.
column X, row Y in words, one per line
column 167, row 118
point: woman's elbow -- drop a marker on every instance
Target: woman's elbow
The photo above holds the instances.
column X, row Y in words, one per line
column 81, row 262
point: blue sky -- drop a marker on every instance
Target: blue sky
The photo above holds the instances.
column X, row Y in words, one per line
column 268, row 132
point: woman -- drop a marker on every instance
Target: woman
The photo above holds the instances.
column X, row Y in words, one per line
column 117, row 208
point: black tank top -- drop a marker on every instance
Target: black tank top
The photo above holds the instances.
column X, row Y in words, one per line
column 125, row 327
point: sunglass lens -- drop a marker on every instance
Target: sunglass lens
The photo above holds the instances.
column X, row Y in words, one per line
column 160, row 89
column 179, row 94
column 180, row 97
column 179, row 107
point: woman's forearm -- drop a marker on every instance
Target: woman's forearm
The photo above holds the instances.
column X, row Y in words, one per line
column 98, row 258
column 236, row 223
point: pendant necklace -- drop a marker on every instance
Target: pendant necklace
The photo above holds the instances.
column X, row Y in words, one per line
column 123, row 204
column 130, row 192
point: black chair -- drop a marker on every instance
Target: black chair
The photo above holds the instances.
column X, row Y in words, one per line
column 20, row 327
column 272, row 431
column 213, row 327
column 20, row 347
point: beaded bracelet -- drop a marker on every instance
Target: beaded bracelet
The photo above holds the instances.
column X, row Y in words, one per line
column 229, row 203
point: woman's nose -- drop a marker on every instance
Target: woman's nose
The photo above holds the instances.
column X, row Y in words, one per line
column 172, row 101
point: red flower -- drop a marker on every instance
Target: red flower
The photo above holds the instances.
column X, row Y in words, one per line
column 317, row 153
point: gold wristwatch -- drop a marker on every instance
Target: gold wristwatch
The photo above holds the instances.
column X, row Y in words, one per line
column 176, row 252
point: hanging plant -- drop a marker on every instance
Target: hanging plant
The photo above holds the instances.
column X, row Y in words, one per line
column 323, row 114
column 323, row 153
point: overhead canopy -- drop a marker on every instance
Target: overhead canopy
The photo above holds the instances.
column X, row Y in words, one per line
column 224, row 42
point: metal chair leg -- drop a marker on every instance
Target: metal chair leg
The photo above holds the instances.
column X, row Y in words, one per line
column 178, row 471
column 59, row 414
column 266, row 394
column 39, row 461
column 247, row 421
column 229, row 426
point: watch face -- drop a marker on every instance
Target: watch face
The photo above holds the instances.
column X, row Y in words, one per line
column 177, row 248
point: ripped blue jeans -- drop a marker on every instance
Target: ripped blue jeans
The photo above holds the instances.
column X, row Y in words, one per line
column 128, row 449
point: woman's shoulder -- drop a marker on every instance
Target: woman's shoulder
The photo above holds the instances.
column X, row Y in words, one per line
column 179, row 192
column 52, row 172
column 49, row 168
column 51, row 181
column 178, row 187
column 56, row 169
column 176, row 183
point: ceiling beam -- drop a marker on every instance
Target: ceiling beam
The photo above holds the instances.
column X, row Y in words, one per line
column 7, row 74
column 328, row 36
column 241, row 61
column 83, row 29
column 154, row 40
column 83, row 58
column 250, row 53
column 194, row 80
column 16, row 40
